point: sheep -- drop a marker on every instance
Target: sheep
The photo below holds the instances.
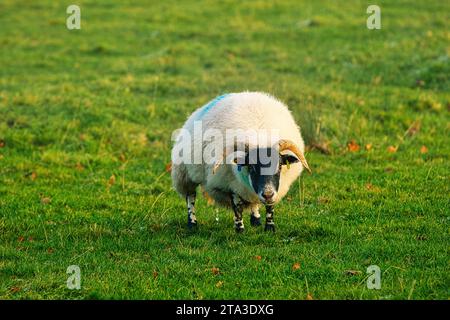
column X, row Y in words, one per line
column 236, row 173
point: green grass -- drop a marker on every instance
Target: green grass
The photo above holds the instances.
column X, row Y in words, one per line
column 77, row 107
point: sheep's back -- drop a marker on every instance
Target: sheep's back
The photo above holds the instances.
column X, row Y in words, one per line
column 247, row 110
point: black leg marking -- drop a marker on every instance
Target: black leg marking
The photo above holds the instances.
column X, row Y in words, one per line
column 270, row 225
column 255, row 217
column 238, row 207
column 190, row 202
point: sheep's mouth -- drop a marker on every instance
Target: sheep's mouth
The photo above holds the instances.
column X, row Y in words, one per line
column 268, row 202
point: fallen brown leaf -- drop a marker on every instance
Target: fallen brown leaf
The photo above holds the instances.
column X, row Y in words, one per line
column 169, row 167
column 323, row 200
column 309, row 297
column 258, row 258
column 368, row 146
column 46, row 200
column 15, row 289
column 352, row 272
column 352, row 146
column 392, row 149
column 413, row 128
column 33, row 176
column 112, row 180
column 215, row 271
column 423, row 149
column 323, row 147
column 296, row 266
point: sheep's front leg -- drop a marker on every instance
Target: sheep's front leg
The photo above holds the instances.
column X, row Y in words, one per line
column 238, row 207
column 270, row 225
column 190, row 202
column 255, row 217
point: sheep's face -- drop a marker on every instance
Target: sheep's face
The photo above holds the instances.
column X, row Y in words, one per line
column 262, row 171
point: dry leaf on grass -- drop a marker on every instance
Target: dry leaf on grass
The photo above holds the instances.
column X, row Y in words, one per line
column 215, row 271
column 423, row 149
column 368, row 146
column 352, row 272
column 392, row 149
column 46, row 200
column 258, row 258
column 413, row 128
column 219, row 284
column 309, row 297
column 296, row 266
column 323, row 147
column 169, row 167
column 15, row 289
column 352, row 146
column 112, row 180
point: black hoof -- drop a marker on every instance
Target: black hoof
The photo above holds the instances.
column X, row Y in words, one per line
column 255, row 222
column 269, row 227
column 192, row 224
column 239, row 229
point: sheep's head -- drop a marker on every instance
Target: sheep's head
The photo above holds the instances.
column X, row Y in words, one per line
column 260, row 167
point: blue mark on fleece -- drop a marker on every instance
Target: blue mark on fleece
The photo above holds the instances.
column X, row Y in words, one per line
column 242, row 170
column 211, row 104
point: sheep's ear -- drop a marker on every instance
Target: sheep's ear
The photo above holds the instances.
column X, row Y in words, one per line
column 287, row 145
column 288, row 158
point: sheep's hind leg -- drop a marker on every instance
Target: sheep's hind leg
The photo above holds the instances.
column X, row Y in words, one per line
column 190, row 202
column 270, row 225
column 255, row 217
column 238, row 207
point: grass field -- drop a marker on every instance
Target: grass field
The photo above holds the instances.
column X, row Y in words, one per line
column 86, row 118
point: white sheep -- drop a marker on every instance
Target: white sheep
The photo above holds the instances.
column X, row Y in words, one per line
column 248, row 180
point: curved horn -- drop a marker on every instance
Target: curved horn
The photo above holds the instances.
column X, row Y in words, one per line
column 289, row 145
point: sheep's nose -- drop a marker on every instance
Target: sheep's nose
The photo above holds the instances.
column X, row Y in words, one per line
column 268, row 194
